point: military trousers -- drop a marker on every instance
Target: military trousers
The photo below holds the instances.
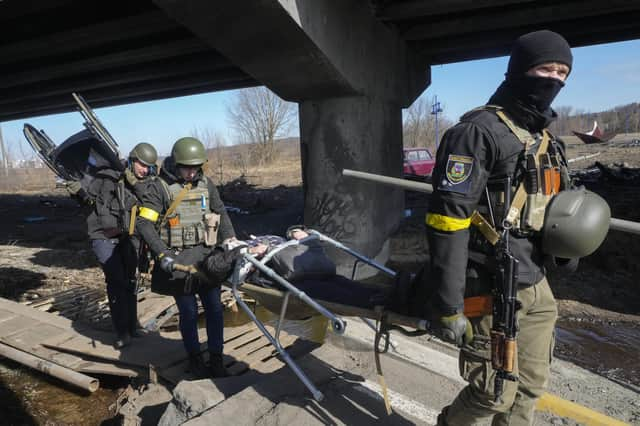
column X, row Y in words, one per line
column 535, row 341
column 118, row 259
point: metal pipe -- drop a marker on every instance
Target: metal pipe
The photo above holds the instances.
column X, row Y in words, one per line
column 616, row 224
column 283, row 313
column 337, row 324
column 65, row 374
column 625, row 226
column 355, row 254
column 317, row 395
column 387, row 180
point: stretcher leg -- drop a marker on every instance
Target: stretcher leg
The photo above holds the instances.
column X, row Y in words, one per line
column 317, row 395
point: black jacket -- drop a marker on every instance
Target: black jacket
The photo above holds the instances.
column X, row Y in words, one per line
column 109, row 200
column 480, row 147
column 156, row 198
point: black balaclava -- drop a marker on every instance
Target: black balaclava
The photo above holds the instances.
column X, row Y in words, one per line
column 529, row 98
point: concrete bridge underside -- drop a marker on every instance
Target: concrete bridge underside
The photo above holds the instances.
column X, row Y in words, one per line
column 351, row 65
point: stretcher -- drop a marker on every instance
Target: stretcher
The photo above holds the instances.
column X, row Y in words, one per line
column 291, row 301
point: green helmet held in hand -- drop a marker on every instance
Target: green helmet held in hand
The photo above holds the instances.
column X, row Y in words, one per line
column 144, row 153
column 576, row 223
column 189, row 152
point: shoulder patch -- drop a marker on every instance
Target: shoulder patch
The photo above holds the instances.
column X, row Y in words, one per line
column 457, row 174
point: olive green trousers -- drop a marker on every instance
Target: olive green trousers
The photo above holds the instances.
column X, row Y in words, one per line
column 535, row 341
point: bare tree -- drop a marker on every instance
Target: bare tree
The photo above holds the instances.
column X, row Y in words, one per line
column 242, row 156
column 258, row 116
column 419, row 125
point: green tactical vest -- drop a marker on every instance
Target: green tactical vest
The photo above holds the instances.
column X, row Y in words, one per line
column 186, row 226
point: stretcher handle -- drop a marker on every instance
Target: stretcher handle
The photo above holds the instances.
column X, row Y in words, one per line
column 189, row 269
column 353, row 253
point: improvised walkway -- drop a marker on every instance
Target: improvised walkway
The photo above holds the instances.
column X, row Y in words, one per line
column 75, row 351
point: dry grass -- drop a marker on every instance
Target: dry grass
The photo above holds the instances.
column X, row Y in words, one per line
column 286, row 172
column 25, row 180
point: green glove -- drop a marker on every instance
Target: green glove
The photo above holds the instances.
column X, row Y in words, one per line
column 455, row 328
column 73, row 186
column 130, row 177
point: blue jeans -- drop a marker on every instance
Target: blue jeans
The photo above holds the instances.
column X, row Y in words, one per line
column 213, row 311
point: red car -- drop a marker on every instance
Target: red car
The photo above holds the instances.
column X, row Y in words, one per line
column 418, row 162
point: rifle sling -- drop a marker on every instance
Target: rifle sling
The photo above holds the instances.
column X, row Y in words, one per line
column 527, row 140
column 174, row 204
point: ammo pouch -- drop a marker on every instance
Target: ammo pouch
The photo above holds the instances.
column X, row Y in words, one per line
column 211, row 226
column 534, row 211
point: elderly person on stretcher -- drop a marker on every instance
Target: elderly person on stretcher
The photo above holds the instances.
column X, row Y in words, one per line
column 301, row 260
column 291, row 261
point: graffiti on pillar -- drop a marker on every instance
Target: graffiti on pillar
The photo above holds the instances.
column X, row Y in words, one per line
column 334, row 216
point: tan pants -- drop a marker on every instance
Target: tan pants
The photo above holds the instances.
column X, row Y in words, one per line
column 535, row 340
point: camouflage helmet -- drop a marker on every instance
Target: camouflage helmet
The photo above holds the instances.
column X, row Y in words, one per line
column 189, row 152
column 144, row 153
column 576, row 223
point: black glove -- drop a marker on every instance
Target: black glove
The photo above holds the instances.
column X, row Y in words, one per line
column 166, row 263
column 455, row 329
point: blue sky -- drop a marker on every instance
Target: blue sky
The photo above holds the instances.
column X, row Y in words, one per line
column 603, row 76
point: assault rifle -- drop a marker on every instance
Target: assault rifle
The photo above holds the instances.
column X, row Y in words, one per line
column 505, row 305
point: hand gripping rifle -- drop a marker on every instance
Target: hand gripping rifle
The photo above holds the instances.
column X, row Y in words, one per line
column 505, row 305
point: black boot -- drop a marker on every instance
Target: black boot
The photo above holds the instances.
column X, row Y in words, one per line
column 196, row 367
column 216, row 366
column 122, row 341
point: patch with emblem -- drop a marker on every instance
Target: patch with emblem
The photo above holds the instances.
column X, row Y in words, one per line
column 457, row 174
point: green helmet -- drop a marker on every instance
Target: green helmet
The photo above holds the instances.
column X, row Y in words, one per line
column 576, row 223
column 189, row 152
column 144, row 153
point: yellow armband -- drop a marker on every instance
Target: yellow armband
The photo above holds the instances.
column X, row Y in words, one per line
column 150, row 215
column 447, row 223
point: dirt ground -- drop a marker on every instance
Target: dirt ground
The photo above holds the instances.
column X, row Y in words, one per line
column 44, row 249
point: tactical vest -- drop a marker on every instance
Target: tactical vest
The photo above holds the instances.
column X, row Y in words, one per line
column 541, row 173
column 186, row 226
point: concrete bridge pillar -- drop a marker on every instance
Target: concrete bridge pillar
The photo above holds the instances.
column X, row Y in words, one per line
column 360, row 133
column 350, row 74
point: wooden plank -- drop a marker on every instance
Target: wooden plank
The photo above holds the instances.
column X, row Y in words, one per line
column 243, row 340
column 96, row 367
column 231, row 333
column 20, row 309
column 5, row 315
column 68, row 360
column 157, row 349
column 242, row 352
column 152, row 306
column 30, row 337
column 297, row 348
column 254, row 358
column 274, row 362
column 15, row 325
